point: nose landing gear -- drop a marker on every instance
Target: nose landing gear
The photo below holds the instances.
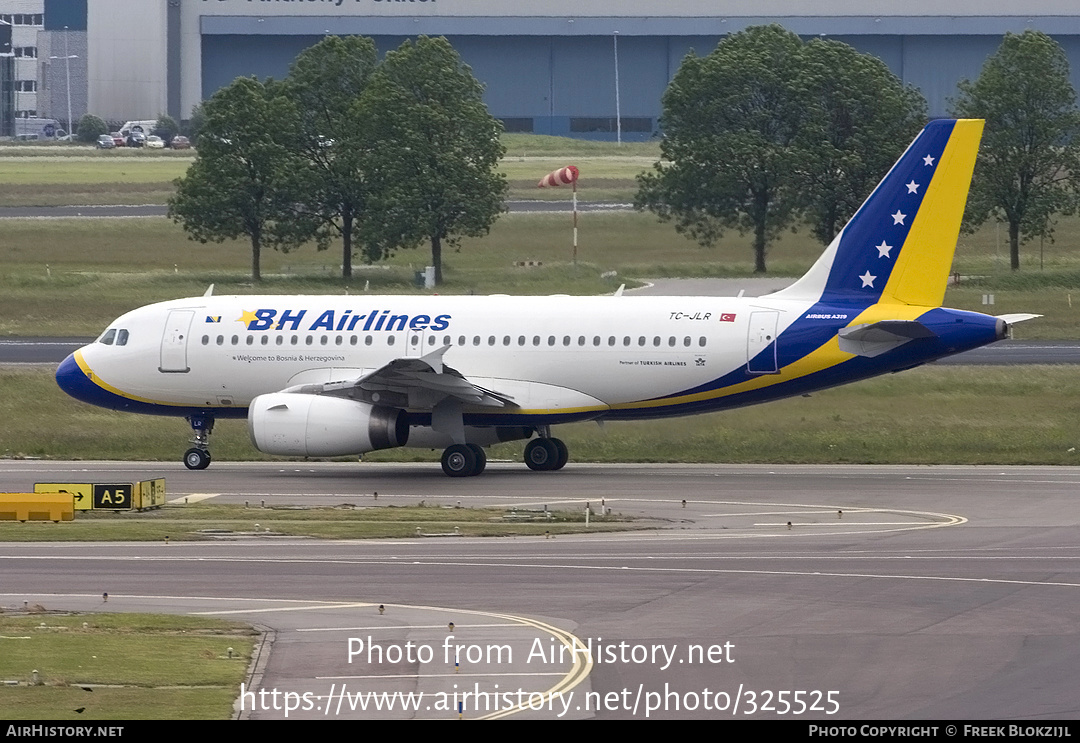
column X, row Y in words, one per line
column 198, row 456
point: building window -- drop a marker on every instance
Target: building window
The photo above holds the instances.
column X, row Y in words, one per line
column 26, row 86
column 23, row 19
column 29, row 52
column 517, row 125
column 586, row 125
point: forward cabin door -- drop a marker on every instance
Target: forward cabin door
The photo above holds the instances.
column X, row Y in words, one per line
column 174, row 342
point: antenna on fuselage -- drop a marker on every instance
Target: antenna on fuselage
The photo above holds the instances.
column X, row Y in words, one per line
column 209, row 291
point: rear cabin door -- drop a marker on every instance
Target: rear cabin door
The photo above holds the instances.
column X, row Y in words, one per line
column 761, row 343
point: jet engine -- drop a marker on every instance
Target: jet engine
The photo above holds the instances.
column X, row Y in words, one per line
column 298, row 425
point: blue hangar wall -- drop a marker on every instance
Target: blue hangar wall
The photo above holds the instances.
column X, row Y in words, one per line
column 565, row 84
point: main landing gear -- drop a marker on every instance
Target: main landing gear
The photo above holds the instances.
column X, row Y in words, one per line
column 544, row 454
column 198, row 456
column 464, row 460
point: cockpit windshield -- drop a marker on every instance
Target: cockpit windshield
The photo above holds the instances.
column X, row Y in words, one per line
column 112, row 335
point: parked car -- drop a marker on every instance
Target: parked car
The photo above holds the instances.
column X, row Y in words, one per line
column 180, row 142
column 117, row 138
column 136, row 139
column 105, row 142
column 155, row 143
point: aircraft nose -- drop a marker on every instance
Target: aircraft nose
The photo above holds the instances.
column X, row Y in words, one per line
column 73, row 380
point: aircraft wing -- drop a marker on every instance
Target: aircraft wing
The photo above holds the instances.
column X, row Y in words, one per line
column 422, row 382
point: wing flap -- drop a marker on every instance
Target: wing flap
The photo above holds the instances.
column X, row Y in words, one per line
column 421, row 382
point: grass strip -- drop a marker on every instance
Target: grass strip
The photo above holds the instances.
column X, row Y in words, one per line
column 930, row 415
column 203, row 521
column 120, row 666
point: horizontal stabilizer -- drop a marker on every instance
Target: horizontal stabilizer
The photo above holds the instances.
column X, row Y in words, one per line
column 877, row 338
column 1017, row 317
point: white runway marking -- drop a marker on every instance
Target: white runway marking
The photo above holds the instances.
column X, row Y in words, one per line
column 192, row 498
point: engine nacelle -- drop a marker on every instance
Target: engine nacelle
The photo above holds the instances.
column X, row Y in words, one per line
column 297, row 425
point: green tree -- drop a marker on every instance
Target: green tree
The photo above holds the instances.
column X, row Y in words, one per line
column 192, row 128
column 733, row 123
column 90, row 128
column 432, row 152
column 1030, row 159
column 244, row 181
column 166, row 128
column 867, row 118
column 325, row 82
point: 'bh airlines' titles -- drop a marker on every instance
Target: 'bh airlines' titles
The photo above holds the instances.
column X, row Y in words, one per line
column 270, row 319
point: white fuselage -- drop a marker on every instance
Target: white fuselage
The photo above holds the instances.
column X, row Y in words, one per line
column 551, row 356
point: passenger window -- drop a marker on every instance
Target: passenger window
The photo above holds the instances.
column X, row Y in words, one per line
column 352, row 340
column 641, row 340
column 566, row 340
column 389, row 340
column 491, row 340
column 367, row 340
column 250, row 339
column 308, row 340
column 461, row 340
column 293, row 340
column 235, row 340
column 536, row 340
column 581, row 340
column 279, row 340
column 476, row 340
column 626, row 340
column 206, row 340
column 338, row 340
column 671, row 341
column 686, row 341
column 322, row 340
column 701, row 341
column 265, row 340
column 415, row 341
column 521, row 340
column 551, row 340
column 221, row 340
column 506, row 340
column 109, row 336
column 611, row 340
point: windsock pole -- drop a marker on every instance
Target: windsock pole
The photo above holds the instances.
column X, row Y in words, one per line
column 575, row 221
column 562, row 177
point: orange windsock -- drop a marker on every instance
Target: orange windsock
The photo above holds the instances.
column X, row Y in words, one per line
column 561, row 177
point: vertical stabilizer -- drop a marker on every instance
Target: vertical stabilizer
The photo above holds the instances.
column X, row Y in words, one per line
column 898, row 248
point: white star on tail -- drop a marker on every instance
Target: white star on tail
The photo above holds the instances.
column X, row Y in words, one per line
column 883, row 250
column 912, row 187
column 867, row 280
column 928, row 160
column 898, row 218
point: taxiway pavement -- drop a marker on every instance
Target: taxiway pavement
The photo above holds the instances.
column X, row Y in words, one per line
column 939, row 592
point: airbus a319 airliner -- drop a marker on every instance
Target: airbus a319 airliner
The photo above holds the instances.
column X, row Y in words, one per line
column 321, row 376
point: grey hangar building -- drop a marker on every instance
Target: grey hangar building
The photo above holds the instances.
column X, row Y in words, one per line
column 580, row 68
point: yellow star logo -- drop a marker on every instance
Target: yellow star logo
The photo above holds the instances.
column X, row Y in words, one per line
column 247, row 318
